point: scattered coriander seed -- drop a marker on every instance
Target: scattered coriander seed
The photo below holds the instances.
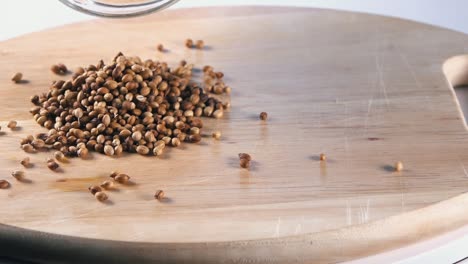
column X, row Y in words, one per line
column 199, row 44
column 245, row 156
column 107, row 184
column 94, row 189
column 38, row 143
column 26, row 162
column 12, row 124
column 160, row 47
column 17, row 77
column 218, row 113
column 101, row 196
column 114, row 174
column 175, row 142
column 82, row 152
column 59, row 69
column 27, row 148
column 399, row 166
column 322, row 157
column 52, row 165
column 122, row 178
column 216, row 135
column 189, row 43
column 159, row 195
column 17, row 174
column 4, row 184
column 244, row 163
column 59, row 156
column 263, row 116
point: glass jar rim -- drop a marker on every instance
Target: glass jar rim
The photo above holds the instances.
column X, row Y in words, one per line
column 130, row 9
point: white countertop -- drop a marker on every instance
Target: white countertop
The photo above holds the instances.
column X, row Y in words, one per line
column 23, row 16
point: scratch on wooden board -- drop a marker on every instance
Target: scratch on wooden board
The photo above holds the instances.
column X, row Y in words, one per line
column 298, row 229
column 463, row 167
column 349, row 219
column 369, row 107
column 382, row 84
column 364, row 213
column 277, row 228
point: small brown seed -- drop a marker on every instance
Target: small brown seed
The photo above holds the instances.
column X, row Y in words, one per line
column 114, row 174
column 82, row 152
column 101, row 196
column 17, row 174
column 12, row 124
column 17, row 77
column 245, row 156
column 94, row 189
column 52, row 165
column 263, row 116
column 142, row 150
column 244, row 163
column 189, row 43
column 26, row 162
column 160, row 47
column 216, row 135
column 59, row 156
column 4, row 184
column 159, row 195
column 175, row 142
column 200, row 44
column 218, row 113
column 38, row 143
column 399, row 166
column 27, row 148
column 122, row 178
column 59, row 69
column 107, row 184
column 109, row 150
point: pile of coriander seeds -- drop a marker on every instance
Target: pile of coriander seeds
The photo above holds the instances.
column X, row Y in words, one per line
column 129, row 105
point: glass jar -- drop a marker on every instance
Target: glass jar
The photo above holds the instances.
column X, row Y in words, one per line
column 118, row 8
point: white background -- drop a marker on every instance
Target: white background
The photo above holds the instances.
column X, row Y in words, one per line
column 23, row 16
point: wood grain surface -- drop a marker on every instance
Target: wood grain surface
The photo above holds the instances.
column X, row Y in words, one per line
column 367, row 91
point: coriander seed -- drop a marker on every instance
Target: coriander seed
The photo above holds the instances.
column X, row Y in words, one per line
column 263, row 116
column 4, row 184
column 109, row 150
column 114, row 174
column 12, row 124
column 399, row 166
column 159, row 195
column 244, row 163
column 101, row 196
column 27, row 148
column 189, row 43
column 107, row 184
column 199, row 44
column 26, row 162
column 322, row 157
column 17, row 77
column 218, row 113
column 142, row 150
column 59, row 156
column 17, row 174
column 160, row 47
column 94, row 189
column 52, row 165
column 122, row 178
column 244, row 156
column 216, row 135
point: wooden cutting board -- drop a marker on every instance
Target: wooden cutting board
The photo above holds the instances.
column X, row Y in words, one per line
column 365, row 90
